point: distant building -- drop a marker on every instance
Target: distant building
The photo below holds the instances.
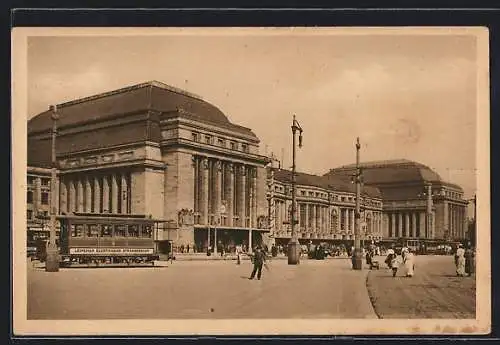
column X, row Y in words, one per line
column 325, row 209
column 152, row 149
column 37, row 197
column 156, row 150
column 417, row 203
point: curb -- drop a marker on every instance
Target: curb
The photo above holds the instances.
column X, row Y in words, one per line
column 371, row 297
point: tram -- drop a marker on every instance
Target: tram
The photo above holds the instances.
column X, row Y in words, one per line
column 89, row 239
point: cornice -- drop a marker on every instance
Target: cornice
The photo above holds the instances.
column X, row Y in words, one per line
column 176, row 143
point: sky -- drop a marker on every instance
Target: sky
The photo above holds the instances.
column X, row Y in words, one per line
column 405, row 96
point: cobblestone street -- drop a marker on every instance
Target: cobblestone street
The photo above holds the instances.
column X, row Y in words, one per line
column 434, row 292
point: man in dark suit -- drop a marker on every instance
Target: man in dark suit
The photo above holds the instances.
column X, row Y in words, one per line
column 259, row 258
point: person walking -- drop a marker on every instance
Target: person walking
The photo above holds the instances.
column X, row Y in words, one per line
column 239, row 250
column 395, row 264
column 409, row 263
column 390, row 255
column 460, row 261
column 259, row 259
column 469, row 260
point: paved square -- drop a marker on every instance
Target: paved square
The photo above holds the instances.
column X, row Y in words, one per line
column 217, row 289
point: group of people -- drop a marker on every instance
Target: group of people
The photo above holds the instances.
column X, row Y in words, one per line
column 405, row 261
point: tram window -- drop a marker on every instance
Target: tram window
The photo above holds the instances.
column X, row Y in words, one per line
column 120, row 231
column 93, row 230
column 77, row 230
column 133, row 231
column 107, row 231
column 146, row 231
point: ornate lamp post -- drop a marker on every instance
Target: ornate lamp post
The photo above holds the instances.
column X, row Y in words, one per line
column 52, row 260
column 294, row 245
column 357, row 258
column 428, row 212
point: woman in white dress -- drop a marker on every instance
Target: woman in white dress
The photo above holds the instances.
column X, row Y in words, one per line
column 409, row 262
column 460, row 260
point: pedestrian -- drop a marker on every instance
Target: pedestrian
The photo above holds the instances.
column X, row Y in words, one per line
column 369, row 256
column 460, row 261
column 409, row 263
column 469, row 260
column 259, row 259
column 390, row 255
column 238, row 254
column 394, row 264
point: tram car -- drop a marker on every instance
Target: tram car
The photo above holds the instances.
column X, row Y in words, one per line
column 107, row 240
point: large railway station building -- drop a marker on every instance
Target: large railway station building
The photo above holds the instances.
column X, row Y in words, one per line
column 155, row 150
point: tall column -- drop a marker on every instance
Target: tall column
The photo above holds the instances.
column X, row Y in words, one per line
column 204, row 194
column 63, row 196
column 105, row 195
column 314, row 218
column 253, row 206
column 284, row 209
column 347, row 220
column 400, row 225
column 421, row 225
column 72, row 196
column 242, row 196
column 446, row 226
column 323, row 219
column 306, row 222
column 413, row 224
column 393, row 224
column 338, row 219
column 37, row 199
column 97, row 195
column 328, row 212
column 88, row 195
column 407, row 225
column 114, row 193
column 124, row 193
column 80, row 195
column 218, row 185
column 230, row 192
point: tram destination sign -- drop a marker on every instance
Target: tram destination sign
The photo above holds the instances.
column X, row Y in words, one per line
column 110, row 251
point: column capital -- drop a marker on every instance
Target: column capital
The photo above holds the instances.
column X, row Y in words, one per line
column 253, row 172
column 205, row 163
column 242, row 169
column 218, row 164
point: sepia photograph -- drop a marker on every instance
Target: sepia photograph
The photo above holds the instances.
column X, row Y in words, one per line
column 232, row 181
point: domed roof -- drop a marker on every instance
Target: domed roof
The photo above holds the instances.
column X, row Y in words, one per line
column 151, row 95
column 390, row 171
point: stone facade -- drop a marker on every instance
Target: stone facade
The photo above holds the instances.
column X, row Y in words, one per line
column 417, row 203
column 38, row 198
column 154, row 150
column 325, row 213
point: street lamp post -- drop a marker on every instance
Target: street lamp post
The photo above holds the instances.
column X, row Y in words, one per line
column 52, row 259
column 294, row 245
column 357, row 259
